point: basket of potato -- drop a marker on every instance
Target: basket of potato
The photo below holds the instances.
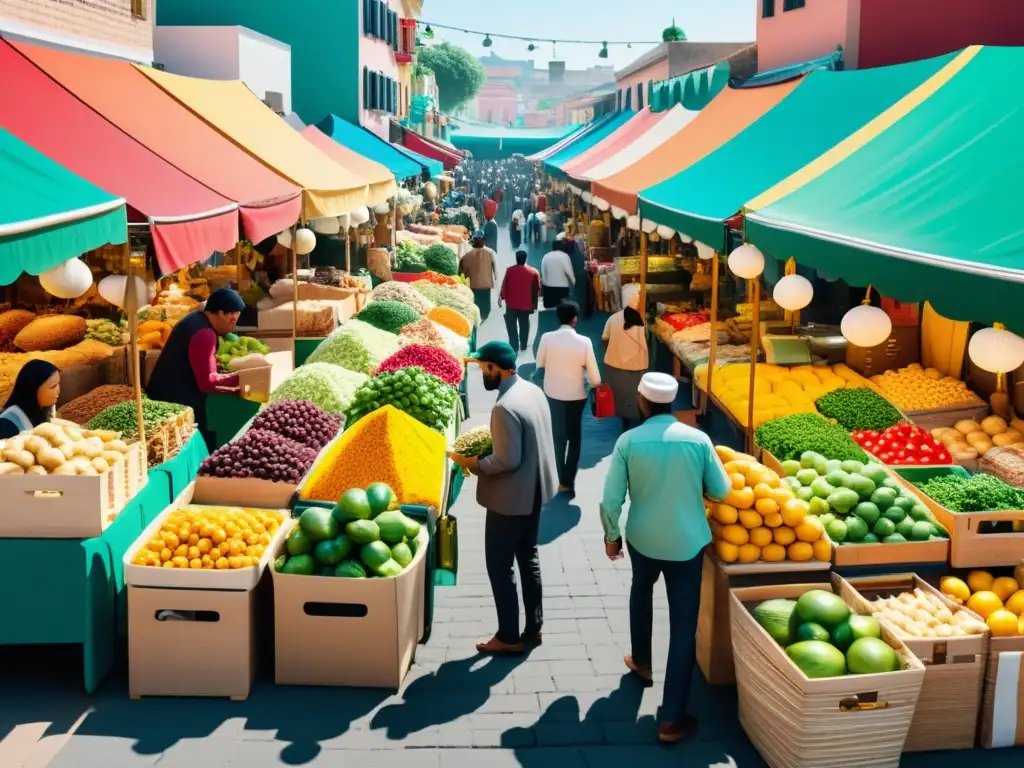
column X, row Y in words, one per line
column 61, row 481
column 969, row 440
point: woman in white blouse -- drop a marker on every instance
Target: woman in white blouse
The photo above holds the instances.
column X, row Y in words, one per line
column 626, row 360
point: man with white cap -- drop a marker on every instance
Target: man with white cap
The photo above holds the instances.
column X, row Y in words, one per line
column 667, row 468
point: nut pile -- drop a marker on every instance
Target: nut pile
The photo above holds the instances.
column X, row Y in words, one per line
column 82, row 409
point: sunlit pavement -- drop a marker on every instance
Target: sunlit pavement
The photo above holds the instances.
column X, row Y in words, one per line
column 568, row 704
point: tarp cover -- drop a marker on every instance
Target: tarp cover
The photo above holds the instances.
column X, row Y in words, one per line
column 189, row 221
column 921, row 203
column 825, row 109
column 231, row 108
column 370, row 145
column 381, row 180
column 449, row 157
column 267, row 202
column 578, row 147
column 673, row 121
column 730, row 112
column 48, row 214
column 623, row 136
column 583, row 130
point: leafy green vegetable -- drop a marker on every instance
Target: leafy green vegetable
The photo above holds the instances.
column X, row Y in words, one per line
column 390, row 316
column 409, row 257
column 790, row 436
column 859, row 408
column 357, row 346
column 330, row 387
column 977, row 493
column 441, row 259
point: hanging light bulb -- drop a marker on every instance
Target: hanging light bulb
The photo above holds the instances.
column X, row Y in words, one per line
column 746, row 262
column 793, row 292
column 629, row 45
column 866, row 326
column 487, row 41
column 305, row 241
column 996, row 350
column 428, row 32
column 531, row 47
column 603, row 53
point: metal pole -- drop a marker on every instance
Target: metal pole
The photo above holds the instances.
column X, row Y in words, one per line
column 295, row 297
column 713, row 350
column 755, row 340
column 132, row 308
column 643, row 272
column 348, row 249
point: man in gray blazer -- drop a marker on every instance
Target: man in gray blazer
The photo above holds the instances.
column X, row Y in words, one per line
column 516, row 479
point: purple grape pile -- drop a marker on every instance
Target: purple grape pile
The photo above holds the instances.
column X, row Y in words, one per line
column 301, row 421
column 260, row 454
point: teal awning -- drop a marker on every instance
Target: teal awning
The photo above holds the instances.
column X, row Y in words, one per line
column 432, row 167
column 926, row 209
column 820, row 112
column 372, row 146
column 48, row 214
column 589, row 139
column 694, row 90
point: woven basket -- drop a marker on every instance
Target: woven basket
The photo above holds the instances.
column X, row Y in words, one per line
column 855, row 721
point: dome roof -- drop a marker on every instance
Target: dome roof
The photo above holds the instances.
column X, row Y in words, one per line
column 673, row 34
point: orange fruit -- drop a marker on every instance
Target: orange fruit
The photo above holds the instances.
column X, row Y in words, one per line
column 822, row 550
column 1015, row 604
column 984, row 603
column 810, row 529
column 1005, row 587
column 726, row 551
column 773, row 520
column 781, row 495
column 765, row 505
column 726, row 514
column 784, row 535
column 761, row 537
column 951, row 586
column 774, row 553
column 979, row 581
column 749, row 553
column 1020, row 626
column 750, row 519
column 735, row 534
column 800, row 551
column 762, row 491
column 794, row 514
column 1002, row 623
column 738, row 481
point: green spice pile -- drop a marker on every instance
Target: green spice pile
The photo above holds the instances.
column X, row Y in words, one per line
column 390, row 316
column 977, row 493
column 105, row 331
column 857, row 409
column 789, row 436
column 122, row 417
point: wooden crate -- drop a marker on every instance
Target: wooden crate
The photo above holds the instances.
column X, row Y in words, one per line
column 969, row 546
column 1002, row 706
column 849, row 555
column 854, row 721
column 947, row 710
column 947, row 417
column 714, row 644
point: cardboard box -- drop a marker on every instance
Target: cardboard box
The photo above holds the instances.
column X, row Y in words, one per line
column 255, row 383
column 1002, row 708
column 61, row 506
column 215, row 632
column 349, row 632
column 240, row 580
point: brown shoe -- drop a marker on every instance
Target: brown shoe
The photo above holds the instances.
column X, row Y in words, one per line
column 644, row 673
column 531, row 639
column 673, row 733
column 496, row 647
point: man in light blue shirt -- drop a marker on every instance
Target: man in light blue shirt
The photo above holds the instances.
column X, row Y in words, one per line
column 667, row 468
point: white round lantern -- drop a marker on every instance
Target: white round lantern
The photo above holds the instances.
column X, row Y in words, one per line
column 344, row 221
column 329, row 226
column 602, row 204
column 648, row 226
column 665, row 233
column 359, row 216
column 114, row 289
column 305, row 241
column 704, row 252
column 587, row 198
column 382, row 208
column 866, row 326
column 68, row 280
column 793, row 292
column 429, row 190
column 284, row 238
column 746, row 262
column 996, row 350
column 633, row 222
column 618, row 213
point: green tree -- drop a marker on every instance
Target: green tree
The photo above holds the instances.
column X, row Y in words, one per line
column 459, row 75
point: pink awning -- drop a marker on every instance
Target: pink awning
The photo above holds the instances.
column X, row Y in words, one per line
column 626, row 134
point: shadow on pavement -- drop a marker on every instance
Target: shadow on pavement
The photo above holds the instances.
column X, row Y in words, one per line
column 558, row 517
column 457, row 688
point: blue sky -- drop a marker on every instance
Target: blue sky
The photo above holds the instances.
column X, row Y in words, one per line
column 705, row 20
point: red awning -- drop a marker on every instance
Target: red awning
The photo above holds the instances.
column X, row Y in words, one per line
column 189, row 221
column 417, row 143
column 268, row 203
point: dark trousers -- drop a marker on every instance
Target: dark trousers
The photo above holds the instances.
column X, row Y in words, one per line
column 682, row 585
column 482, row 298
column 517, row 323
column 553, row 296
column 509, row 538
column 567, row 430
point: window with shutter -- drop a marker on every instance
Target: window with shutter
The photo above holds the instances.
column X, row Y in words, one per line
column 367, row 17
column 366, row 88
column 792, row 5
column 139, row 8
column 380, row 91
column 394, row 32
column 767, row 9
column 381, row 11
column 640, row 96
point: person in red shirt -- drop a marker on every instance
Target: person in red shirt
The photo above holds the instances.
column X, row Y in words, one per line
column 520, row 290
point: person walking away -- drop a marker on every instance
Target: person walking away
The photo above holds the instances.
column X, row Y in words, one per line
column 666, row 532
column 520, row 292
column 515, row 229
column 479, row 265
column 515, row 480
column 626, row 359
column 556, row 275
column 568, row 361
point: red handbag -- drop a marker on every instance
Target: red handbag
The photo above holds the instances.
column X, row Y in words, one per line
column 602, row 401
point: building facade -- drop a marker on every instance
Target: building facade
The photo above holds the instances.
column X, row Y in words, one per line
column 878, row 33
column 116, row 29
column 345, row 55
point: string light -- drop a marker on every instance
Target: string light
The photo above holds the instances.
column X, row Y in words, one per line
column 525, row 39
column 603, row 53
column 488, row 42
